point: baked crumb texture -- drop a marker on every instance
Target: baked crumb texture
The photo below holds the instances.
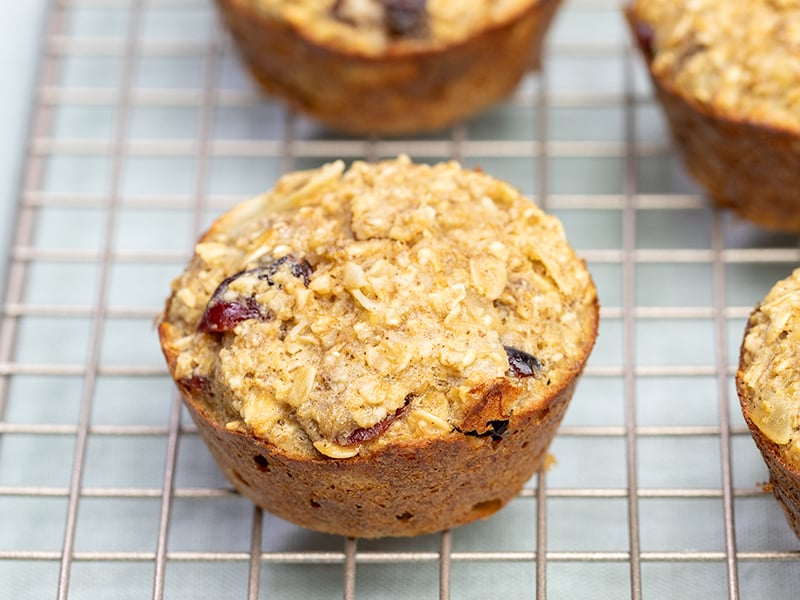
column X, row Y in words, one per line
column 769, row 389
column 389, row 66
column 728, row 77
column 377, row 337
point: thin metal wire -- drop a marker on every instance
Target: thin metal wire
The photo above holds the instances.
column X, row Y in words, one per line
column 213, row 492
column 166, row 497
column 445, row 564
column 201, row 492
column 254, row 577
column 95, row 337
column 206, row 109
column 541, row 534
column 350, row 550
column 345, row 149
column 720, row 326
column 373, row 558
column 629, row 328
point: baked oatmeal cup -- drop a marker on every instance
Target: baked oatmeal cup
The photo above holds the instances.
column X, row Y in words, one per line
column 727, row 75
column 389, row 66
column 385, row 350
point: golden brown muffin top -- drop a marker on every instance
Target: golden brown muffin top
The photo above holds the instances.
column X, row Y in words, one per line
column 771, row 357
column 345, row 309
column 741, row 58
column 372, row 26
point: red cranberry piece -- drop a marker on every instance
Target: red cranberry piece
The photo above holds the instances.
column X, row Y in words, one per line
column 520, row 363
column 195, row 383
column 644, row 36
column 365, row 434
column 224, row 314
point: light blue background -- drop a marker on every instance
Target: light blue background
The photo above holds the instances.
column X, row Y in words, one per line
column 19, row 46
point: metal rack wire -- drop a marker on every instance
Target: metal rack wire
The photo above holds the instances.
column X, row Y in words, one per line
column 144, row 128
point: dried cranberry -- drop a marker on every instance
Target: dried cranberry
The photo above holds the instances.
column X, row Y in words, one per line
column 644, row 36
column 520, row 363
column 196, row 383
column 224, row 314
column 404, row 16
column 365, row 434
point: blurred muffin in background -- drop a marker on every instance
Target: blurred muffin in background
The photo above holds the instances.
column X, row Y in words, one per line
column 728, row 77
column 389, row 66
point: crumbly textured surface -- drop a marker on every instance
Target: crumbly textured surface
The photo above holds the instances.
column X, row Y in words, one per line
column 371, row 27
column 772, row 351
column 388, row 66
column 769, row 390
column 740, row 57
column 387, row 324
column 728, row 77
column 417, row 282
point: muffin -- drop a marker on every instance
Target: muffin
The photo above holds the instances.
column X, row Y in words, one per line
column 381, row 351
column 388, row 66
column 769, row 389
column 728, row 77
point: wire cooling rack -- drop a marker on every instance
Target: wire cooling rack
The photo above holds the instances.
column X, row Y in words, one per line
column 144, row 128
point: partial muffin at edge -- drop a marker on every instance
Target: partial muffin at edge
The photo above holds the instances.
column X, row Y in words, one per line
column 381, row 351
column 357, row 68
column 768, row 386
column 727, row 75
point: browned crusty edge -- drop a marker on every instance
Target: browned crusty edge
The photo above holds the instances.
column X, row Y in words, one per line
column 751, row 168
column 401, row 91
column 360, row 496
column 784, row 478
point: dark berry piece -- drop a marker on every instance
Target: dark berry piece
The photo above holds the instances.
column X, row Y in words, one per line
column 644, row 37
column 404, row 16
column 196, row 383
column 520, row 363
column 223, row 315
column 300, row 269
column 365, row 434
